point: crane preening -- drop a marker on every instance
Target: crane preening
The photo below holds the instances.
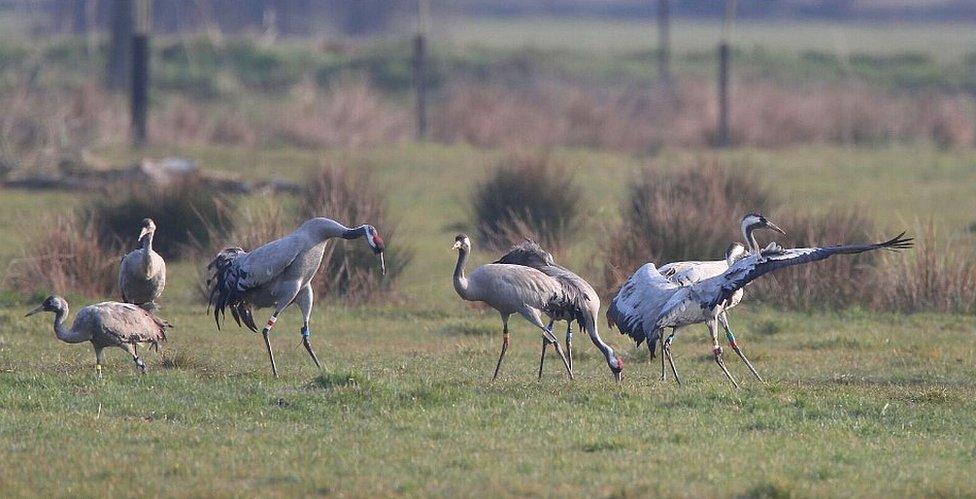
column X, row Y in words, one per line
column 142, row 273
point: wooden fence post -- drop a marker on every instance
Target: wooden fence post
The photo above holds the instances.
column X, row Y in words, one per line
column 420, row 82
column 140, row 73
column 664, row 41
column 723, row 136
column 420, row 76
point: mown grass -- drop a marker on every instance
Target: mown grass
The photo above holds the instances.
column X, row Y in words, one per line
column 859, row 403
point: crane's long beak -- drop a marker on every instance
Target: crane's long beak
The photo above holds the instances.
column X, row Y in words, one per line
column 36, row 310
column 143, row 232
column 772, row 226
column 382, row 264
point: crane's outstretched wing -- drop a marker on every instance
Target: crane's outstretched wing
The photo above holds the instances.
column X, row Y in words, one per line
column 754, row 266
column 639, row 302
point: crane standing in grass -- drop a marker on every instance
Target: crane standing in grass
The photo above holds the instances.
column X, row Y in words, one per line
column 648, row 302
column 688, row 273
column 582, row 303
column 510, row 289
column 142, row 273
column 278, row 274
column 107, row 324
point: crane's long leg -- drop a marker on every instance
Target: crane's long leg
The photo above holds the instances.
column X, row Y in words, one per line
column 724, row 319
column 717, row 350
column 532, row 315
column 664, row 372
column 504, row 346
column 98, row 361
column 267, row 341
column 304, row 302
column 569, row 342
column 545, row 343
column 666, row 352
column 129, row 347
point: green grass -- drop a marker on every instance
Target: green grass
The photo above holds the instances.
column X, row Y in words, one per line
column 859, row 403
column 942, row 40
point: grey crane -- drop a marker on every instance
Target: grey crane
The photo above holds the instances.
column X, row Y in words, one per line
column 142, row 273
column 688, row 273
column 582, row 303
column 278, row 274
column 510, row 289
column 648, row 302
column 107, row 324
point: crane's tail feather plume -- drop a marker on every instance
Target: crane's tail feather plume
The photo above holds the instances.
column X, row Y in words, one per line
column 226, row 290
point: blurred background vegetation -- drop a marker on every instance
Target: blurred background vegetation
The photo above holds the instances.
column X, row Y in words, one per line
column 826, row 98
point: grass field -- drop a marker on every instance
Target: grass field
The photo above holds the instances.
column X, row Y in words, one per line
column 859, row 403
column 943, row 40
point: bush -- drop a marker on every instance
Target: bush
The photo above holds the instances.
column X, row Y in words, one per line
column 349, row 269
column 938, row 276
column 527, row 195
column 834, row 283
column 692, row 213
column 184, row 212
column 65, row 258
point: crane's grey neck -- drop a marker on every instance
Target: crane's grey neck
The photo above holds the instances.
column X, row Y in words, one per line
column 749, row 233
column 147, row 241
column 461, row 282
column 64, row 334
column 355, row 233
column 608, row 352
column 322, row 229
column 147, row 251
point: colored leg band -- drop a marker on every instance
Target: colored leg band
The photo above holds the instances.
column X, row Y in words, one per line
column 305, row 332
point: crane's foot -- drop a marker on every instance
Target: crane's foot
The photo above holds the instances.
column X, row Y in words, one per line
column 308, row 346
column 542, row 359
column 674, row 370
column 501, row 356
column 742, row 356
column 718, row 360
column 98, row 370
column 267, row 345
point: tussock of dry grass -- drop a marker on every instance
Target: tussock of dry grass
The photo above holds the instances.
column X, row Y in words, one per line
column 527, row 195
column 939, row 275
column 350, row 270
column 692, row 214
column 66, row 257
column 666, row 218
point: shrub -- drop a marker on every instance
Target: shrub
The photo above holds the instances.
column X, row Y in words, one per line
column 939, row 275
column 66, row 257
column 832, row 283
column 349, row 269
column 527, row 195
column 184, row 213
column 692, row 213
